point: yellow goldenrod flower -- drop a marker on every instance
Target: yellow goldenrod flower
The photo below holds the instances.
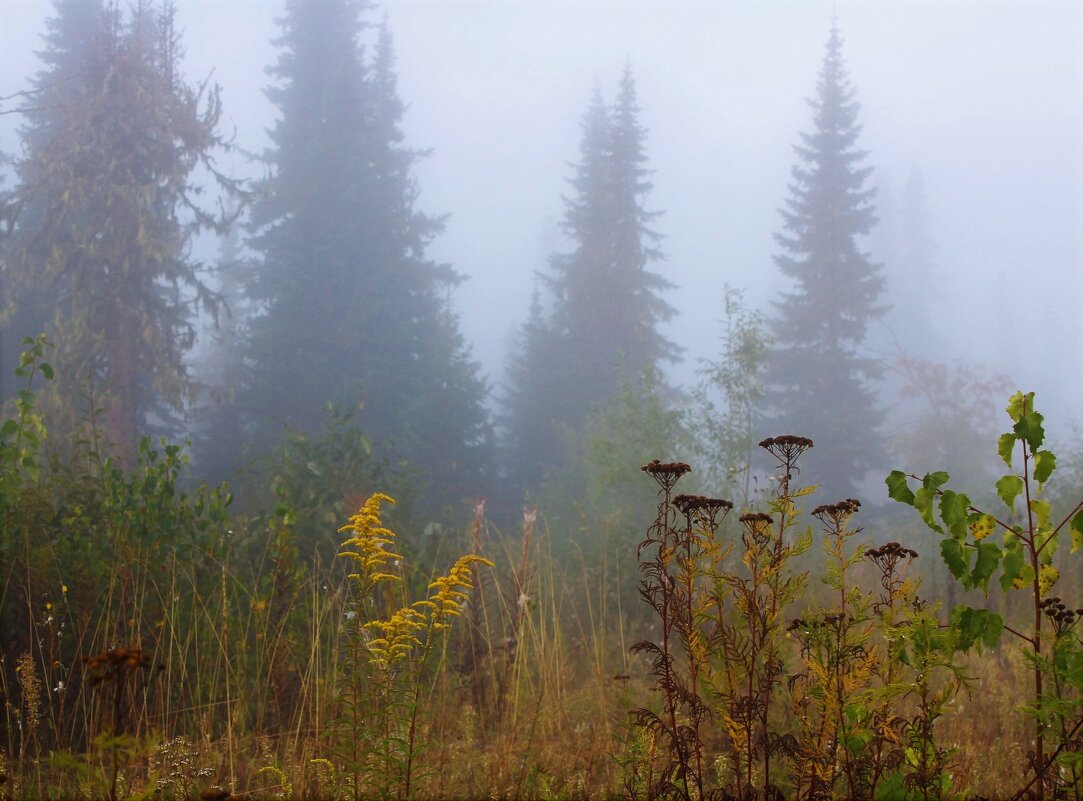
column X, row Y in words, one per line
column 369, row 543
column 397, row 636
column 450, row 595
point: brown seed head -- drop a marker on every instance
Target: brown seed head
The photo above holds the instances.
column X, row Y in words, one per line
column 666, row 473
column 656, row 468
column 754, row 518
column 836, row 515
column 787, row 447
column 689, row 504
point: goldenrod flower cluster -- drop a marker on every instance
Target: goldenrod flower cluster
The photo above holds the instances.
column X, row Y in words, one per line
column 371, row 543
column 451, row 590
column 399, row 635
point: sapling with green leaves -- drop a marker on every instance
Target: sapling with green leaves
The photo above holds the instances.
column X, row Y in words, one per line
column 1027, row 538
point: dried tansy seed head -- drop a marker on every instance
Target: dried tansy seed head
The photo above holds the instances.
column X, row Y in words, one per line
column 837, row 515
column 757, row 525
column 656, row 467
column 688, row 504
column 1062, row 618
column 891, row 551
column 757, row 519
column 787, row 447
column 112, row 664
column 666, row 473
column 714, row 511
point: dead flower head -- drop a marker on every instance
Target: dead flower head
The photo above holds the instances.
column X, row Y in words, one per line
column 666, row 473
column 836, row 516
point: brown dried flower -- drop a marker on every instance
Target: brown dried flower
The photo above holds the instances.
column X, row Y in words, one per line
column 666, row 473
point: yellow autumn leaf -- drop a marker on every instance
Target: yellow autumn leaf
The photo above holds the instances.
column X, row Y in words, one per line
column 983, row 527
column 1047, row 577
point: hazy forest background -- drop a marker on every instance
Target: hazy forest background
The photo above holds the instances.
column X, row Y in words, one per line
column 261, row 261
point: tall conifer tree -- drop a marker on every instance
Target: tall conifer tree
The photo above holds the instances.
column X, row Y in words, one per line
column 913, row 273
column 532, row 405
column 606, row 308
column 818, row 380
column 73, row 38
column 106, row 207
column 353, row 310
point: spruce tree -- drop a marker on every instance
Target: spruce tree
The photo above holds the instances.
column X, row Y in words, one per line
column 106, row 209
column 603, row 328
column 28, row 302
column 818, row 380
column 353, row 311
column 532, row 404
column 913, row 273
column 637, row 308
column 218, row 434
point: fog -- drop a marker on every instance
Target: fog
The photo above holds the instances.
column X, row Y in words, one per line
column 986, row 98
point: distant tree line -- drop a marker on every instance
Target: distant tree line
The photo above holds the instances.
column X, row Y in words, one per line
column 327, row 299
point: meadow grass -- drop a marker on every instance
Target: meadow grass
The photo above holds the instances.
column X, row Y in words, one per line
column 159, row 644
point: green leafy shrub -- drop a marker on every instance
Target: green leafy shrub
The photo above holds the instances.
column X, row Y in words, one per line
column 1019, row 541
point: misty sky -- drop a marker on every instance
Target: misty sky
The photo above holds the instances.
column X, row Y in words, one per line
column 985, row 97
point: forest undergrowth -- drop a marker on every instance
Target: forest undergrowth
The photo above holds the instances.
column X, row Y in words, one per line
column 159, row 643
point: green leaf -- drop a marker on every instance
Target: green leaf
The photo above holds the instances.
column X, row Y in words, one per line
column 1017, row 573
column 955, row 556
column 1014, row 559
column 1045, row 462
column 986, row 563
column 935, row 480
column 954, row 510
column 1008, row 488
column 975, row 626
column 1077, row 531
column 898, row 489
column 923, row 502
column 46, row 370
column 926, row 496
column 1030, row 428
column 893, row 787
column 855, row 743
column 1041, row 510
column 1047, row 542
column 9, row 428
column 1019, row 403
column 1005, row 446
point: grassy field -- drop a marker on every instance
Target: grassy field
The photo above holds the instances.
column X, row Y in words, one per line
column 159, row 644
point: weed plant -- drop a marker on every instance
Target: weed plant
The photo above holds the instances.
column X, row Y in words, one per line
column 844, row 700
column 159, row 643
column 1024, row 553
